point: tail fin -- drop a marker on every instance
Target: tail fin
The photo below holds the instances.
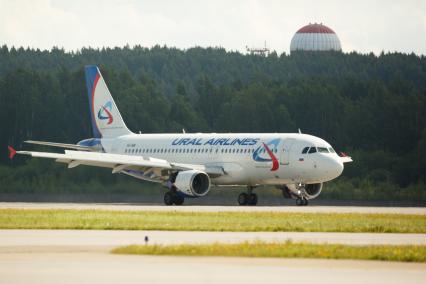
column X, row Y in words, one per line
column 106, row 119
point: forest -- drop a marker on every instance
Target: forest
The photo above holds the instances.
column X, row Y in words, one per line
column 372, row 107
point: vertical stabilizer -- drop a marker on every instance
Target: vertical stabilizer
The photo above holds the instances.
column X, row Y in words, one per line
column 104, row 114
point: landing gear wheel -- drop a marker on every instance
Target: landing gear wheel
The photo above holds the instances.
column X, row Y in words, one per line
column 179, row 200
column 243, row 199
column 252, row 199
column 168, row 198
column 301, row 202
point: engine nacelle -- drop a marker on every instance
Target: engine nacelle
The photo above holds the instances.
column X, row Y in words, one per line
column 312, row 190
column 309, row 191
column 193, row 183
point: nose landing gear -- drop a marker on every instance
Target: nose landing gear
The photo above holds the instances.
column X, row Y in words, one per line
column 248, row 198
column 298, row 193
column 301, row 201
column 301, row 195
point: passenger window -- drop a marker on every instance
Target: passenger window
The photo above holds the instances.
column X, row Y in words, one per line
column 312, row 150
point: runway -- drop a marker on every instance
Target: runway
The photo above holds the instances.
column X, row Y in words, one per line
column 100, row 267
column 69, row 240
column 82, row 256
column 296, row 209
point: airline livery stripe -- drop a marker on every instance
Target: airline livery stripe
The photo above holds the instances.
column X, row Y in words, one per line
column 95, row 83
column 275, row 164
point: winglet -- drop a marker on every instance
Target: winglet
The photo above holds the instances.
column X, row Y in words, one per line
column 345, row 158
column 12, row 152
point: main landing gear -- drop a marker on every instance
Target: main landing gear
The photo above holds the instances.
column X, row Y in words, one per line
column 172, row 197
column 248, row 198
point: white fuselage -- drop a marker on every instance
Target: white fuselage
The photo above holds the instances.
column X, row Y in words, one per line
column 243, row 156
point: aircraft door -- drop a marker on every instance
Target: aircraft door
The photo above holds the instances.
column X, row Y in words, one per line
column 286, row 151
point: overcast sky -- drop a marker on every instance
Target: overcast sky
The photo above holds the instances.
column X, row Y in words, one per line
column 362, row 25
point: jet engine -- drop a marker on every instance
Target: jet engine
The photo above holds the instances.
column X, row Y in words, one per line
column 192, row 183
column 308, row 191
column 312, row 190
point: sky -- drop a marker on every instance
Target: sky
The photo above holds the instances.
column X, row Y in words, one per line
column 362, row 25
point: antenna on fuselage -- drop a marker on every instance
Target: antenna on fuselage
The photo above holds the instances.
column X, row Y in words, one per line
column 183, row 130
column 300, row 132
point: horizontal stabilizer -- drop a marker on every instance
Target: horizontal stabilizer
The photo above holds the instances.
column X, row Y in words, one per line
column 60, row 145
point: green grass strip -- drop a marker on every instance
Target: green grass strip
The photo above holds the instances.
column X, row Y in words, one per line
column 407, row 253
column 210, row 221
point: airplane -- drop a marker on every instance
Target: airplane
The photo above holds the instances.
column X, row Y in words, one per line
column 189, row 164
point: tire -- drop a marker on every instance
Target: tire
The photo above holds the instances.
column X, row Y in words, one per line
column 168, row 198
column 305, row 202
column 179, row 200
column 252, row 199
column 299, row 202
column 243, row 199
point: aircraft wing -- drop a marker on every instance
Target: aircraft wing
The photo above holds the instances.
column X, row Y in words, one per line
column 346, row 159
column 146, row 168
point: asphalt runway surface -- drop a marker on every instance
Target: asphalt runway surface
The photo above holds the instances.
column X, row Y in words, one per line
column 52, row 240
column 197, row 208
column 101, row 267
column 82, row 256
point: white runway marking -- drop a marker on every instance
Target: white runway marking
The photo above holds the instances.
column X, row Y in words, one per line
column 304, row 209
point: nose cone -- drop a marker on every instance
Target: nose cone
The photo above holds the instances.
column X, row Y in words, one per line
column 333, row 167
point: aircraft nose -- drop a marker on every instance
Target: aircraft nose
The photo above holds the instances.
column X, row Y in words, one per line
column 333, row 167
column 338, row 166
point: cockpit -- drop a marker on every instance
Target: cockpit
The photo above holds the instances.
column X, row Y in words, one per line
column 311, row 150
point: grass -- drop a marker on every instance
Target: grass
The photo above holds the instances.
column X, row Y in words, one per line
column 210, row 221
column 407, row 253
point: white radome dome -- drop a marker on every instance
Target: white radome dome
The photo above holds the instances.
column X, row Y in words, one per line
column 315, row 37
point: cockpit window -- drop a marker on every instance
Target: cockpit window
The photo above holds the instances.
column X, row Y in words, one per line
column 322, row 150
column 312, row 150
column 331, row 150
column 305, row 150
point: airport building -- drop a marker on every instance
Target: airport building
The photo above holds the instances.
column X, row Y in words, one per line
column 315, row 37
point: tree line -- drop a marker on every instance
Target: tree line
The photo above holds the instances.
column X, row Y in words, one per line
column 372, row 107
